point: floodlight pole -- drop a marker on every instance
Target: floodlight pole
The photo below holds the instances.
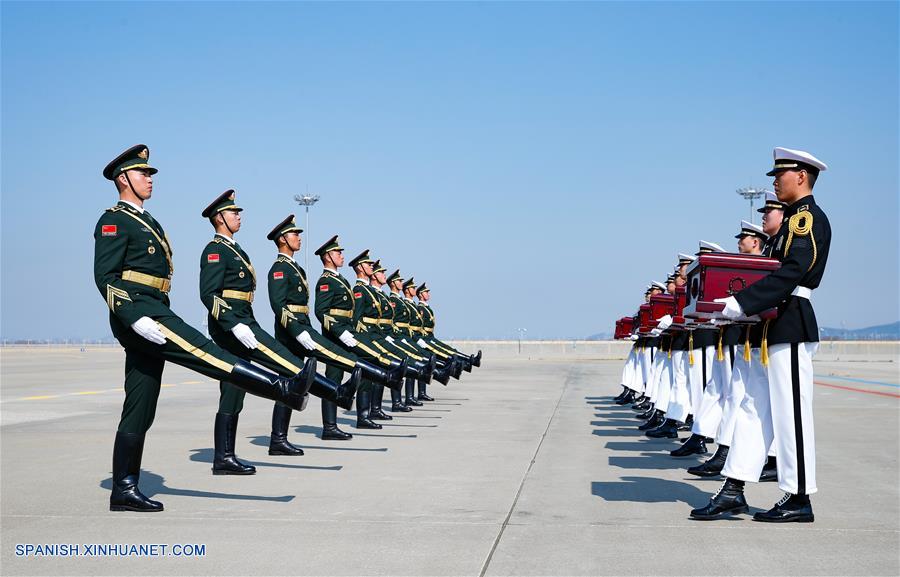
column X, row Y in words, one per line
column 750, row 193
column 306, row 201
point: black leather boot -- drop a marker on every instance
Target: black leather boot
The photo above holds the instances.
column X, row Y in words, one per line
column 278, row 443
column 790, row 509
column 667, row 430
column 688, row 424
column 341, row 395
column 411, row 393
column 648, row 413
column 423, row 392
column 465, row 362
column 261, row 383
column 224, row 462
column 330, row 431
column 627, row 399
column 622, row 394
column 643, row 405
column 126, row 472
column 392, row 378
column 456, row 369
column 397, row 404
column 476, row 359
column 442, row 373
column 656, row 420
column 712, row 466
column 375, row 410
column 729, row 500
column 695, row 445
column 638, row 400
column 363, row 406
column 770, row 471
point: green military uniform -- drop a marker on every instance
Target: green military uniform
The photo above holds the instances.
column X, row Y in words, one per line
column 427, row 315
column 133, row 271
column 227, row 288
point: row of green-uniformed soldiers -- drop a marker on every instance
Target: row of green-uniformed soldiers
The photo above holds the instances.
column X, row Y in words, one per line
column 380, row 340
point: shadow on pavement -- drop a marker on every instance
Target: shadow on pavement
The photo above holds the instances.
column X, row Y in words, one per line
column 206, row 456
column 153, row 484
column 649, row 490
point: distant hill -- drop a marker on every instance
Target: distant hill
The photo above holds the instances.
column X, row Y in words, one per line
column 600, row 337
column 889, row 332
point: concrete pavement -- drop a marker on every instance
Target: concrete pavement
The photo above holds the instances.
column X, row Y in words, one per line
column 521, row 468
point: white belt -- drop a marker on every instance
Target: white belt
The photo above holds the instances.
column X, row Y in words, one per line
column 803, row 292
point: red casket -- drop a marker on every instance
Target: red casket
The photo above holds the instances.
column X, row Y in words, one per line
column 680, row 298
column 661, row 305
column 720, row 275
column 624, row 327
column 646, row 323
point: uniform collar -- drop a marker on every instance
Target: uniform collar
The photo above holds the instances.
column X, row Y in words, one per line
column 331, row 270
column 362, row 281
column 140, row 209
column 803, row 204
column 225, row 238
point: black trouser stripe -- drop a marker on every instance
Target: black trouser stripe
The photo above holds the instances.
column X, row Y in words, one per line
column 798, row 418
column 652, row 349
column 703, row 354
column 731, row 354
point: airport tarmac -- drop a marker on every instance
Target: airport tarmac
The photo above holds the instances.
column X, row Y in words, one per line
column 520, row 468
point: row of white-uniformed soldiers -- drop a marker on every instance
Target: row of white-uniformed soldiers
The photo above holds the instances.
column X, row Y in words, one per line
column 748, row 387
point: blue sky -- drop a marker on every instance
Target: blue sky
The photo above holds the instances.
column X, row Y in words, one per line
column 536, row 163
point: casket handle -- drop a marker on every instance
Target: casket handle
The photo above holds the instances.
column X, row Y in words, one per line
column 732, row 282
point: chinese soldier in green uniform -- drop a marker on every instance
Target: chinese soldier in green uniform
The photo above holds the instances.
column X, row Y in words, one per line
column 289, row 299
column 227, row 286
column 133, row 271
column 334, row 309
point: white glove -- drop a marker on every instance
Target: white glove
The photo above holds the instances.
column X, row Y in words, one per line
column 243, row 333
column 664, row 322
column 732, row 309
column 655, row 332
column 422, row 343
column 389, row 339
column 348, row 339
column 633, row 337
column 307, row 341
column 147, row 328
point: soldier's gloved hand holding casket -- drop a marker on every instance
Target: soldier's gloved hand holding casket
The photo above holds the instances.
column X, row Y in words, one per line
column 243, row 333
column 147, row 328
column 306, row 340
column 655, row 332
column 633, row 337
column 732, row 309
column 348, row 339
column 664, row 322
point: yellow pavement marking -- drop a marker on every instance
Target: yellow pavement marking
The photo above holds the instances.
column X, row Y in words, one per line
column 191, row 382
column 167, row 385
column 88, row 393
column 39, row 397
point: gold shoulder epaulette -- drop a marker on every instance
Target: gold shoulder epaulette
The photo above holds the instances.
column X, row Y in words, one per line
column 115, row 208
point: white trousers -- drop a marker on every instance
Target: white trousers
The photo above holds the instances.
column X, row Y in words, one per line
column 665, row 382
column 708, row 416
column 647, row 365
column 680, row 397
column 628, row 370
column 659, row 359
column 700, row 375
column 790, row 375
column 753, row 431
column 734, row 394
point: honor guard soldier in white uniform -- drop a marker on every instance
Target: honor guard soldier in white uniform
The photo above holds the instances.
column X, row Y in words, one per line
column 789, row 343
